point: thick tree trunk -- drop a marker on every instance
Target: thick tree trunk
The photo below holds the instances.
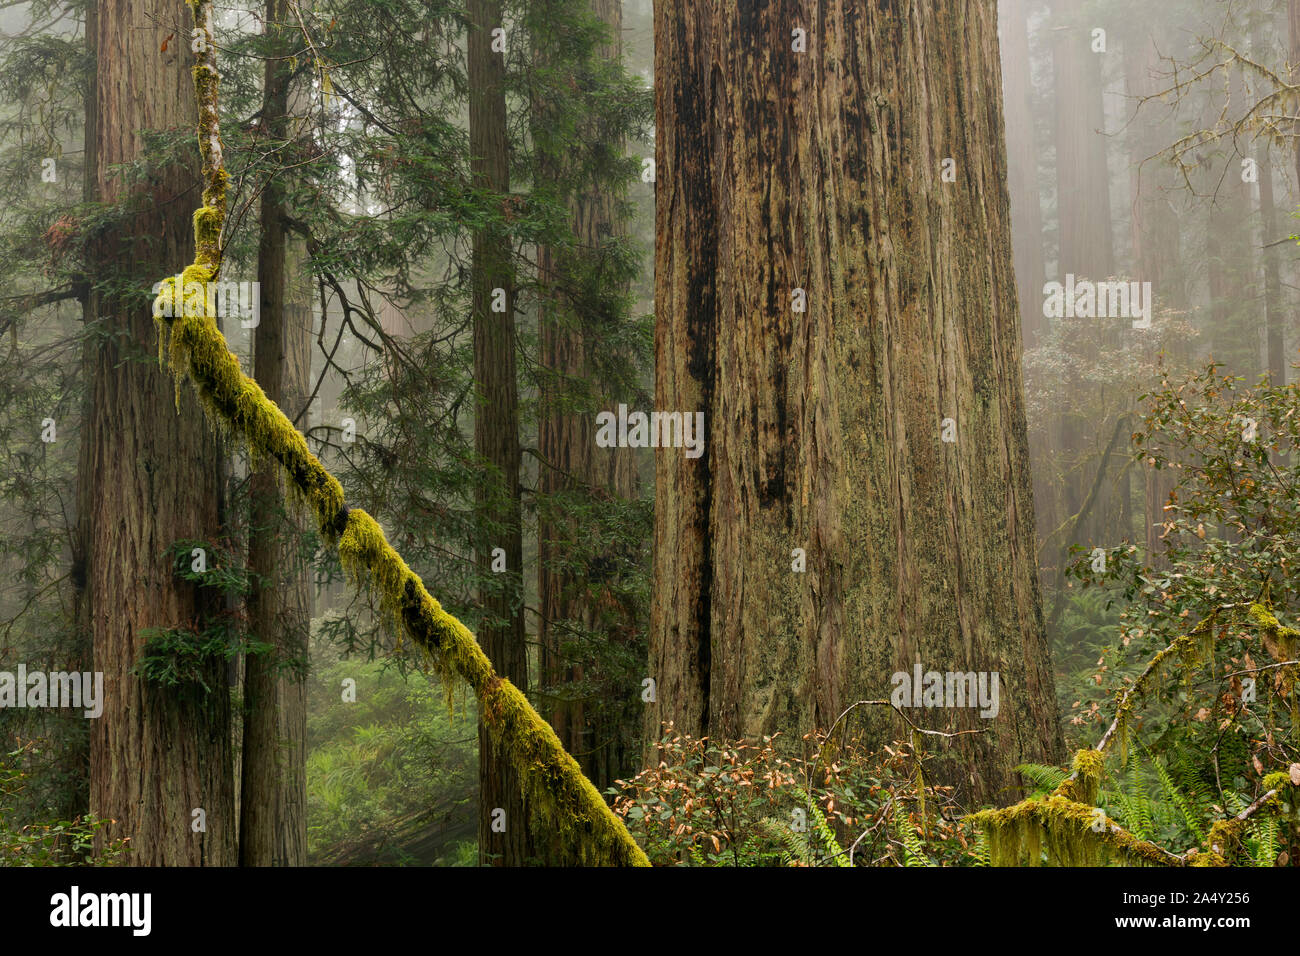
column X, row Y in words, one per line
column 822, row 171
column 573, row 466
column 273, row 821
column 158, row 754
column 503, row 837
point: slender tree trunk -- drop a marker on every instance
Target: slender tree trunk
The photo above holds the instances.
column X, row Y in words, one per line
column 1274, row 347
column 79, row 796
column 1086, row 247
column 1022, row 166
column 822, row 171
column 1232, row 271
column 503, row 826
column 1082, row 176
column 1155, row 236
column 572, row 466
column 158, row 753
column 273, row 822
column 1274, row 334
column 1293, row 38
column 1154, row 225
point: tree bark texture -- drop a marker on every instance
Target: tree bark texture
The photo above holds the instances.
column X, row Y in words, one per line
column 823, row 171
column 496, row 434
column 157, row 753
column 273, row 777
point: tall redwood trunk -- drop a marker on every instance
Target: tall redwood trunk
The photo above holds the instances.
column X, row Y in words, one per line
column 1231, row 267
column 1086, row 247
column 1022, row 165
column 1275, row 360
column 572, row 465
column 1274, row 345
column 503, row 827
column 158, row 753
column 822, row 171
column 273, row 819
column 1157, row 245
column 1293, row 41
column 1082, row 177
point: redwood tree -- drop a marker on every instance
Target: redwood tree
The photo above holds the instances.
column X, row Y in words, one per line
column 574, row 331
column 502, row 839
column 159, row 752
column 847, row 157
column 273, row 772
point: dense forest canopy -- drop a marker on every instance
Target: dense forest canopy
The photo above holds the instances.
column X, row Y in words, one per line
column 616, row 432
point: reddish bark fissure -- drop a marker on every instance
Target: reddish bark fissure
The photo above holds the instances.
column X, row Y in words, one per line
column 686, row 239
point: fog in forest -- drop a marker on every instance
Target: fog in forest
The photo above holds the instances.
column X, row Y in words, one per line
column 839, row 452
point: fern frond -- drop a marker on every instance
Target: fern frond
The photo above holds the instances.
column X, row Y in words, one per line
column 913, row 849
column 1193, row 816
column 1042, row 778
column 1264, row 828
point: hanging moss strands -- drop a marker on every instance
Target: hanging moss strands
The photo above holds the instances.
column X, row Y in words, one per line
column 561, row 799
column 1072, row 834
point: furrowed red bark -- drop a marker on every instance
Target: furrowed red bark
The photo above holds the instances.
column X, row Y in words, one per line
column 823, row 171
column 156, row 755
column 496, row 434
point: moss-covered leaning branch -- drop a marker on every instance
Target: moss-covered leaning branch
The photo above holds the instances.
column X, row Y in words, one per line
column 562, row 800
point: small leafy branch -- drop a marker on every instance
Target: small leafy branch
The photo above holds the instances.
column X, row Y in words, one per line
column 1199, row 643
column 185, row 658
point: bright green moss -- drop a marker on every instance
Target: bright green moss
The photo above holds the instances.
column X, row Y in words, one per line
column 1063, row 827
column 1084, row 784
column 1222, row 844
column 1279, row 781
column 207, row 231
column 1068, row 833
